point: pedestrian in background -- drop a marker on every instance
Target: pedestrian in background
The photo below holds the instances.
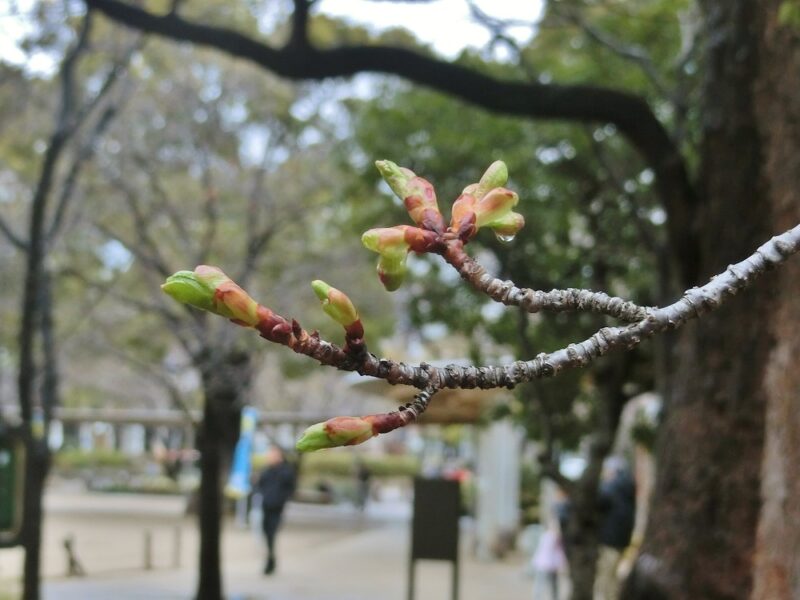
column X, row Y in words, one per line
column 276, row 485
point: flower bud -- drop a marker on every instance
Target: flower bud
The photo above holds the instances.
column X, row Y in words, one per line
column 391, row 244
column 208, row 288
column 495, row 176
column 417, row 194
column 335, row 303
column 507, row 227
column 339, row 431
column 495, row 205
column 463, row 210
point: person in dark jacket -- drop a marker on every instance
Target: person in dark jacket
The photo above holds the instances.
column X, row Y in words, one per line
column 276, row 485
column 617, row 503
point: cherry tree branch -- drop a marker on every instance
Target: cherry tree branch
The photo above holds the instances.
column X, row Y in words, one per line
column 691, row 305
column 485, row 204
column 533, row 301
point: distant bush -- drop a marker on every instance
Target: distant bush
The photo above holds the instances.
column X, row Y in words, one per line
column 343, row 464
column 78, row 460
column 139, row 485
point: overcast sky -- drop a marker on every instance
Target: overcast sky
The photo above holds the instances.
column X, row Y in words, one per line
column 446, row 24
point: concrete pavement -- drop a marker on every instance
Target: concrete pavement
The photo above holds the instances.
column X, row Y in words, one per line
column 324, row 552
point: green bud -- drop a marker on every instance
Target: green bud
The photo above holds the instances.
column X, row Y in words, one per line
column 208, row 288
column 314, row 438
column 335, row 303
column 495, row 176
column 392, row 271
column 187, row 287
column 391, row 244
column 508, row 225
column 397, row 177
column 495, row 205
column 339, row 431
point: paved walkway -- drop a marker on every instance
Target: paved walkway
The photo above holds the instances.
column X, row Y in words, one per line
column 325, row 552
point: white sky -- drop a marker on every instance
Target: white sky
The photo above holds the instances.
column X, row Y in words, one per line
column 445, row 24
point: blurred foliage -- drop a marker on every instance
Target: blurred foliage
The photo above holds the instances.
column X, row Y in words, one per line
column 529, row 493
column 789, row 13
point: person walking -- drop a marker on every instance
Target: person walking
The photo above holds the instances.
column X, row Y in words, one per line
column 363, row 476
column 617, row 502
column 549, row 561
column 276, row 485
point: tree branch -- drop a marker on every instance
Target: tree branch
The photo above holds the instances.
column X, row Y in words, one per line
column 36, row 242
column 12, row 236
column 84, row 153
column 157, row 374
column 630, row 113
column 533, row 301
column 86, row 150
column 299, row 35
column 170, row 319
column 633, row 53
column 164, row 201
column 694, row 303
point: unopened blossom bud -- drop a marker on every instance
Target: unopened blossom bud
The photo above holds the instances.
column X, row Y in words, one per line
column 335, row 303
column 417, row 194
column 391, row 244
column 508, row 226
column 208, row 288
column 495, row 176
column 495, row 205
column 463, row 211
column 339, row 431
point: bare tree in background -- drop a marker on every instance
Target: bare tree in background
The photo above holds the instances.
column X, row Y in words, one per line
column 80, row 120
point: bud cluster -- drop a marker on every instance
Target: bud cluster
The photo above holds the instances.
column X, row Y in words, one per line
column 483, row 204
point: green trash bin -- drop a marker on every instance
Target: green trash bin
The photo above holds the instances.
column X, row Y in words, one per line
column 12, row 481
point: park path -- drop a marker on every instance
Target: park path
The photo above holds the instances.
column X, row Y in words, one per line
column 325, row 553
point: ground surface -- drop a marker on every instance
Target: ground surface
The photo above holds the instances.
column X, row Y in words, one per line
column 325, row 552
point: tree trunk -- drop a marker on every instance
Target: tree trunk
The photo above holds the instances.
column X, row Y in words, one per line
column 37, row 466
column 582, row 549
column 37, row 450
column 700, row 542
column 209, row 585
column 225, row 379
column 777, row 567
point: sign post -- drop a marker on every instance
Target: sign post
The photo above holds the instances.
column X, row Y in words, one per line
column 434, row 528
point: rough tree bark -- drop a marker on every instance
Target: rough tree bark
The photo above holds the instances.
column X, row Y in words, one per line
column 777, row 567
column 701, row 541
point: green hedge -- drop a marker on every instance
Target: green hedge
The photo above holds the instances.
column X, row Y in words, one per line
column 342, row 463
column 75, row 460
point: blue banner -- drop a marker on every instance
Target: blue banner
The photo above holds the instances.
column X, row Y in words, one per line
column 239, row 480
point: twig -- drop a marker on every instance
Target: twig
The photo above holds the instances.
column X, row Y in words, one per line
column 694, row 303
column 533, row 301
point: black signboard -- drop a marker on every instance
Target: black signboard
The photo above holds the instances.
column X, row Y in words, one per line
column 434, row 527
column 12, row 473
